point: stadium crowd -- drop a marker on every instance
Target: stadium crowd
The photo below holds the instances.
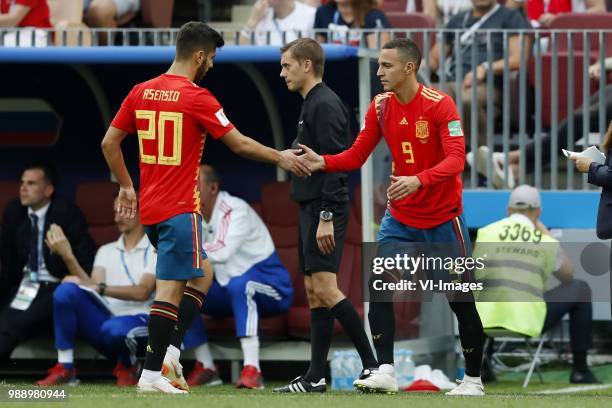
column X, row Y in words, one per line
column 277, row 22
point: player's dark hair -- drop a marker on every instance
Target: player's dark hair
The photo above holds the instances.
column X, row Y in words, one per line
column 196, row 36
column 407, row 48
column 360, row 9
column 49, row 171
column 211, row 174
column 304, row 49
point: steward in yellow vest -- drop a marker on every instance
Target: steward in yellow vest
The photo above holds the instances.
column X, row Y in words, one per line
column 519, row 256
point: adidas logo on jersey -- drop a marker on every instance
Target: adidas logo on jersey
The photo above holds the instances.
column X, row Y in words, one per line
column 403, row 121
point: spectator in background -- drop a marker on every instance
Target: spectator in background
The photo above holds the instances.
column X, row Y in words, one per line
column 115, row 322
column 317, row 3
column 250, row 280
column 277, row 22
column 485, row 14
column 541, row 12
column 342, row 17
column 25, row 13
column 26, row 259
column 517, row 267
column 442, row 10
column 109, row 13
column 514, row 156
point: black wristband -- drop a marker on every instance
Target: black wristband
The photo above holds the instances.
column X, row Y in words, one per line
column 101, row 288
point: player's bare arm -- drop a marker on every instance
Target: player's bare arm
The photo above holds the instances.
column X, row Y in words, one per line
column 111, row 147
column 251, row 149
column 14, row 16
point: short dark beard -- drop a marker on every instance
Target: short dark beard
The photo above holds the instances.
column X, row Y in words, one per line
column 200, row 74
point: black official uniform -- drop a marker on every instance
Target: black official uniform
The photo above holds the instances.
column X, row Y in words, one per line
column 324, row 127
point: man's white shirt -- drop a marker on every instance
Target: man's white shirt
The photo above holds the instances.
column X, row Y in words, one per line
column 236, row 238
column 299, row 21
column 125, row 268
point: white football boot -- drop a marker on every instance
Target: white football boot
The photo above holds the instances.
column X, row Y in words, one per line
column 378, row 380
column 470, row 388
column 160, row 384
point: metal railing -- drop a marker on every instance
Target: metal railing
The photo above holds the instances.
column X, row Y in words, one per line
column 87, row 37
column 525, row 113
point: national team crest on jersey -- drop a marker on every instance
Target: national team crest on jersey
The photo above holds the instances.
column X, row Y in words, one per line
column 422, row 130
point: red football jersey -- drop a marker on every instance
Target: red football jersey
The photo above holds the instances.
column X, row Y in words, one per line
column 172, row 116
column 535, row 8
column 426, row 140
column 38, row 16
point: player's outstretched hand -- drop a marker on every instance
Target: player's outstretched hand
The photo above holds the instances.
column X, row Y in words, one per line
column 126, row 202
column 290, row 161
column 313, row 160
column 402, row 186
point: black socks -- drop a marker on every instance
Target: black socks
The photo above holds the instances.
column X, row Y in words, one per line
column 346, row 314
column 162, row 320
column 190, row 307
column 321, row 331
column 471, row 335
column 382, row 325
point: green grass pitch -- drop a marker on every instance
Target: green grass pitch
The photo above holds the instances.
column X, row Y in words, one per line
column 502, row 394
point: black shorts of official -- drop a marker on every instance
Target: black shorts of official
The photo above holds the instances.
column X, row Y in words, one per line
column 310, row 257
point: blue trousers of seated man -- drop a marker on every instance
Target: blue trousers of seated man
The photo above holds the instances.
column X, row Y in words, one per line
column 77, row 314
column 264, row 290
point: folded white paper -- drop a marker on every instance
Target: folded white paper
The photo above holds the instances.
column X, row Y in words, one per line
column 592, row 153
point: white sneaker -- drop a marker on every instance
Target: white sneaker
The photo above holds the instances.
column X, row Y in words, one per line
column 161, row 384
column 499, row 164
column 173, row 371
column 467, row 388
column 469, row 158
column 381, row 380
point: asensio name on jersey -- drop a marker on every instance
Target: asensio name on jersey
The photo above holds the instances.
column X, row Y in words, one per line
column 172, row 117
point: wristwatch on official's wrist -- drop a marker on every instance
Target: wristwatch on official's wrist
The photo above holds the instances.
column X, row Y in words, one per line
column 101, row 288
column 326, row 215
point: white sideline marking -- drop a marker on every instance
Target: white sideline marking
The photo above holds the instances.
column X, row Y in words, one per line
column 579, row 388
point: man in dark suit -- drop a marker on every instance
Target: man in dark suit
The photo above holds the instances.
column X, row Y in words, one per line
column 601, row 175
column 28, row 267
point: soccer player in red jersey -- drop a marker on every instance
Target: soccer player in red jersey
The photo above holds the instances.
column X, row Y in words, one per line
column 172, row 117
column 422, row 128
